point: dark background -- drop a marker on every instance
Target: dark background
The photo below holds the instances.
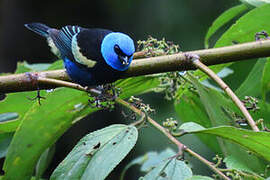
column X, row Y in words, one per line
column 184, row 22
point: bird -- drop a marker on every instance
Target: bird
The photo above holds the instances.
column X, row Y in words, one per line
column 91, row 56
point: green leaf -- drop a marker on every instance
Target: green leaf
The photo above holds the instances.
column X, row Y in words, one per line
column 149, row 160
column 9, row 126
column 21, row 68
column 44, row 161
column 233, row 163
column 32, row 178
column 155, row 158
column 41, row 126
column 262, row 113
column 137, row 85
column 25, row 67
column 215, row 104
column 239, row 154
column 266, row 79
column 190, row 108
column 97, row 154
column 56, row 65
column 242, row 31
column 220, row 112
column 256, row 142
column 37, row 66
column 247, row 26
column 200, row 178
column 16, row 103
column 191, row 126
column 252, row 84
column 5, row 140
column 139, row 161
column 243, row 156
column 223, row 19
column 169, row 169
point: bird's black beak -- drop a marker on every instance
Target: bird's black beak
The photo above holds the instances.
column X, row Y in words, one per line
column 124, row 60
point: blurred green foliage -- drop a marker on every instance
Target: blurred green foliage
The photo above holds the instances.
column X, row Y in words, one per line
column 28, row 130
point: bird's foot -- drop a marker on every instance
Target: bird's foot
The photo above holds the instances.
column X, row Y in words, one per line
column 38, row 97
column 105, row 99
column 33, row 77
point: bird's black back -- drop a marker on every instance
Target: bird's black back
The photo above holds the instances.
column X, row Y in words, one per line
column 89, row 40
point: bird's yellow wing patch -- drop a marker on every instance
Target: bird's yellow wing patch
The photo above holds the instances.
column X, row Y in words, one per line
column 79, row 57
column 54, row 49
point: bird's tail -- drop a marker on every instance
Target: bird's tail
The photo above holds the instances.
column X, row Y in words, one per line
column 39, row 28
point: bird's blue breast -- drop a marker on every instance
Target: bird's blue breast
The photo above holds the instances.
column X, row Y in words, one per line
column 78, row 74
column 101, row 73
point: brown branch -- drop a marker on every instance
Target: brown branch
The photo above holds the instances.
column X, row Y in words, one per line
column 175, row 62
column 228, row 91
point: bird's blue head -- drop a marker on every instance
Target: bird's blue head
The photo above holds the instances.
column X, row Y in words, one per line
column 117, row 49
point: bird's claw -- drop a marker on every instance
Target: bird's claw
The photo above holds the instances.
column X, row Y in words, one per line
column 33, row 77
column 105, row 99
column 38, row 97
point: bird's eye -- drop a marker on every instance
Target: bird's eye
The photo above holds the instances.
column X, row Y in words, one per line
column 117, row 49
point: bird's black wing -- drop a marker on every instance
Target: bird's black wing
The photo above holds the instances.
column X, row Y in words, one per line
column 80, row 45
column 62, row 40
column 86, row 46
column 89, row 41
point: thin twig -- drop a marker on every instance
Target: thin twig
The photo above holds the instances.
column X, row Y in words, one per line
column 140, row 121
column 60, row 83
column 206, row 162
column 242, row 173
column 228, row 91
column 151, row 121
column 180, row 146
